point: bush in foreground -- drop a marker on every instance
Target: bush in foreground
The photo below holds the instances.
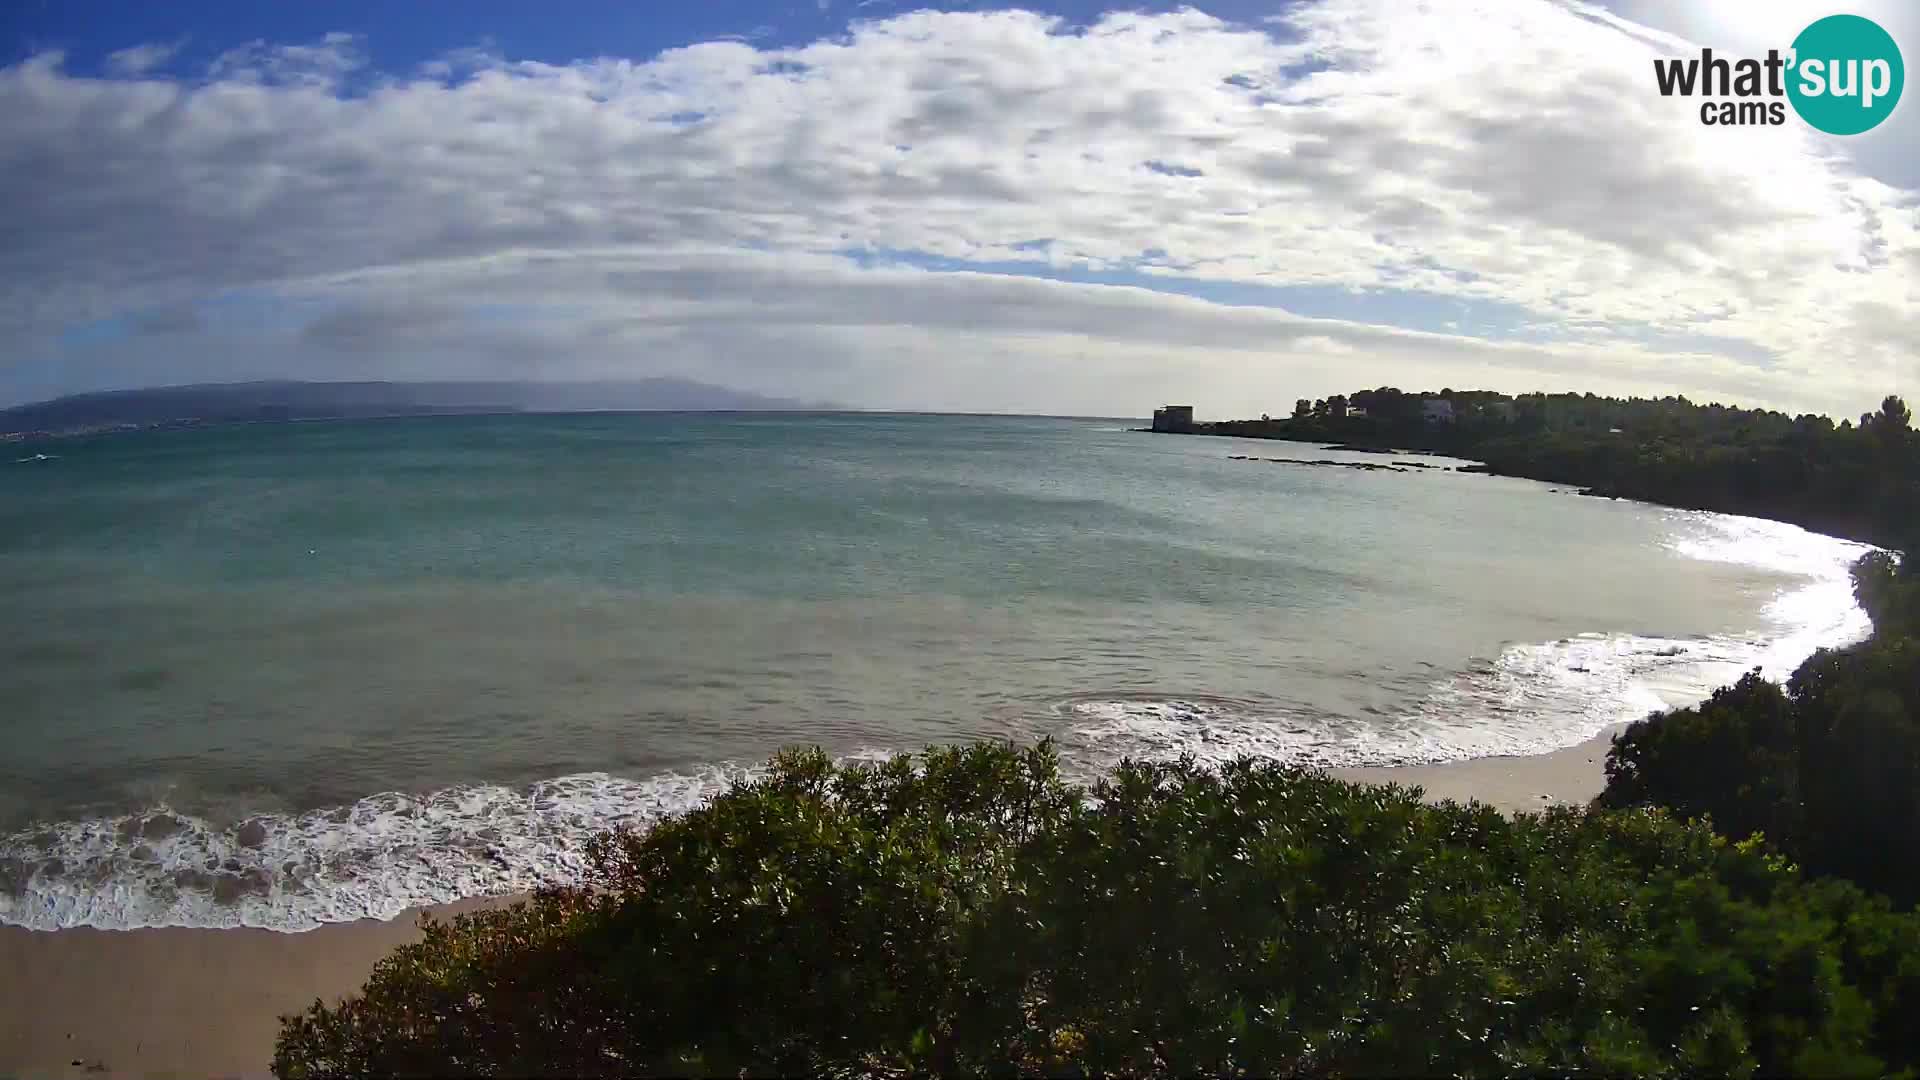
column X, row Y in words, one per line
column 970, row 912
column 1826, row 768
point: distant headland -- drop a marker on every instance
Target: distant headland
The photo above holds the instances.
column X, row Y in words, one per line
column 1859, row 480
column 257, row 402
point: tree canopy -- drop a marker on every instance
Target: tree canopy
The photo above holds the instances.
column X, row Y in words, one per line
column 1826, row 768
column 970, row 912
column 1861, row 481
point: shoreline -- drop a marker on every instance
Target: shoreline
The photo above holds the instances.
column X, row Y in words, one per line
column 1569, row 776
column 1851, row 530
column 199, row 1002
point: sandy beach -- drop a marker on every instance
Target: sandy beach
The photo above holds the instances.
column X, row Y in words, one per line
column 1565, row 777
column 173, row 1001
column 184, row 1002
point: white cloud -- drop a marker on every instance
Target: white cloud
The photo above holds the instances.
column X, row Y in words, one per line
column 1362, row 144
column 140, row 59
column 891, row 337
column 322, row 65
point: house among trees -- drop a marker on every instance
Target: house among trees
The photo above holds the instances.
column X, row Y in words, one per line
column 1437, row 411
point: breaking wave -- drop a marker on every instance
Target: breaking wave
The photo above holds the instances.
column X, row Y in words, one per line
column 1532, row 698
column 373, row 859
column 389, row 852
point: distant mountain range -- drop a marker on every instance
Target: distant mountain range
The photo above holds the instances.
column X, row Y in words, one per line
column 268, row 401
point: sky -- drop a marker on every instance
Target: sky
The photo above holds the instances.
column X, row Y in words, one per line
column 1068, row 209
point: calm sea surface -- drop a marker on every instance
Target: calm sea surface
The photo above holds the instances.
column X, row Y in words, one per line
column 282, row 675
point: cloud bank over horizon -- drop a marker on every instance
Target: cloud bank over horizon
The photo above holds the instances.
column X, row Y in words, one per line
column 994, row 211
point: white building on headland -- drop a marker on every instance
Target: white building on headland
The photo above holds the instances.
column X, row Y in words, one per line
column 1437, row 410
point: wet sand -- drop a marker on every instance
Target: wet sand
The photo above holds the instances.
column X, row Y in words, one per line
column 173, row 1001
column 207, row 1002
column 1565, row 777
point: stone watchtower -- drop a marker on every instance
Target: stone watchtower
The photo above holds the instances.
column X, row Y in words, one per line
column 1177, row 418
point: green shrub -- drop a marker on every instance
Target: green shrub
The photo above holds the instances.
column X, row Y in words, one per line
column 1828, row 768
column 970, row 912
column 1732, row 758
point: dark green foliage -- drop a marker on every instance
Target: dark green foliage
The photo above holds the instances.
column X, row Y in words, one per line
column 1731, row 758
column 1827, row 769
column 1890, row 595
column 970, row 913
column 1858, row 713
column 1859, row 481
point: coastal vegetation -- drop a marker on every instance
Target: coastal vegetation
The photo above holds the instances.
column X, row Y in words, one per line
column 1860, row 480
column 1826, row 768
column 1739, row 901
column 969, row 911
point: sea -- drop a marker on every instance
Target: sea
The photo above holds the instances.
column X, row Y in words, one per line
column 280, row 675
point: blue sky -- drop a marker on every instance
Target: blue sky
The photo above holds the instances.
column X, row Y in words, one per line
column 402, row 36
column 1061, row 209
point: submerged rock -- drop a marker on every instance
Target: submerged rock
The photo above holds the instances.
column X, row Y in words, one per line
column 1365, row 466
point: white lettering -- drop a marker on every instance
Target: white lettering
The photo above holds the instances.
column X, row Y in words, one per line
column 1813, row 78
column 1850, row 85
column 1879, row 80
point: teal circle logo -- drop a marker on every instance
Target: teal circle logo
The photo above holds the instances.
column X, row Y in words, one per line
column 1846, row 75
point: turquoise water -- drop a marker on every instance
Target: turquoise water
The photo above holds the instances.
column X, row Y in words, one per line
column 281, row 675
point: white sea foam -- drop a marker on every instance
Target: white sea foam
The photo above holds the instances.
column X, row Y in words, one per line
column 375, row 858
column 1769, row 545
column 1532, row 698
column 1818, row 614
column 386, row 853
